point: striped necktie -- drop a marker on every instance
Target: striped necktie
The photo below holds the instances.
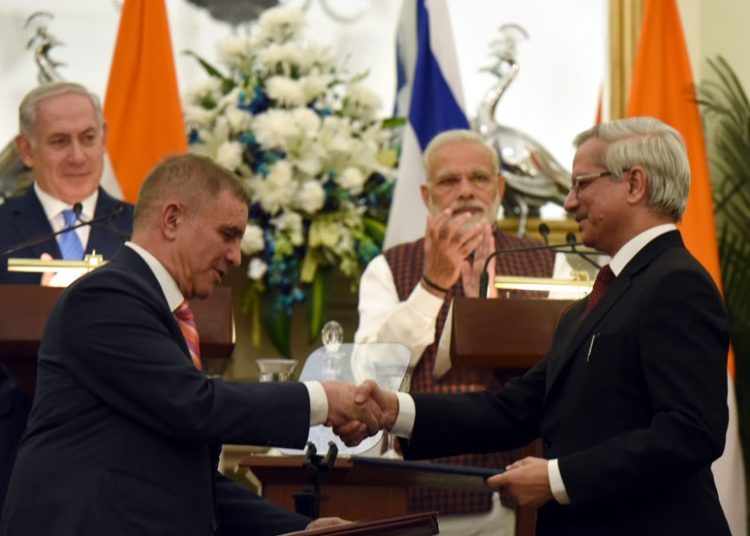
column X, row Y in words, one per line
column 603, row 280
column 187, row 325
column 70, row 245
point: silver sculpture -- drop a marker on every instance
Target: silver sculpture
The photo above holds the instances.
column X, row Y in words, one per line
column 15, row 177
column 533, row 176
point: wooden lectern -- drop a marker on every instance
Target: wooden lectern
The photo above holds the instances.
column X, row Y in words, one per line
column 511, row 336
column 23, row 315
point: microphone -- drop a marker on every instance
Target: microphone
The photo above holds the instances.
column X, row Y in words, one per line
column 544, row 231
column 570, row 238
column 119, row 209
column 569, row 247
column 111, row 227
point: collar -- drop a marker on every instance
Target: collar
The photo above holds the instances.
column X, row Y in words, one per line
column 166, row 282
column 635, row 244
column 53, row 206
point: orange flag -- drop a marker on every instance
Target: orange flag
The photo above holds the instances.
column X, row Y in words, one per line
column 663, row 87
column 142, row 105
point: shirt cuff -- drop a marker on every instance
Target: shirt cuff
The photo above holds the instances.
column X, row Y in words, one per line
column 318, row 403
column 556, row 483
column 425, row 302
column 405, row 419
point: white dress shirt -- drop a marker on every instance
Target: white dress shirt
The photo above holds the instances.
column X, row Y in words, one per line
column 53, row 209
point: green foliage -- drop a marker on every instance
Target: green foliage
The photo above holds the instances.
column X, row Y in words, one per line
column 727, row 112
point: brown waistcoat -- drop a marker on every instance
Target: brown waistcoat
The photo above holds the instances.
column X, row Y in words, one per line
column 406, row 264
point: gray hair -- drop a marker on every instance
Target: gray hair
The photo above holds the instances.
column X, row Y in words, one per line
column 27, row 108
column 653, row 145
column 458, row 136
column 193, row 178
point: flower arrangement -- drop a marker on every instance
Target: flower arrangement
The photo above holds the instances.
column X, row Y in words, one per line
column 319, row 165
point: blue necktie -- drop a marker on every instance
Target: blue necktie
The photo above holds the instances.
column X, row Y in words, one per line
column 70, row 245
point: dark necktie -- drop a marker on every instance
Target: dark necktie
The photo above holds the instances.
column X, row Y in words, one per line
column 189, row 330
column 603, row 280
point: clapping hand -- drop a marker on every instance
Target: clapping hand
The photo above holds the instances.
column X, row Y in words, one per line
column 449, row 239
column 471, row 267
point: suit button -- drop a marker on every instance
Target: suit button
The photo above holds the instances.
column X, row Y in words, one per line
column 546, row 444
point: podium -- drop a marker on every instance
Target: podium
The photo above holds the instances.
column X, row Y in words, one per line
column 23, row 315
column 509, row 335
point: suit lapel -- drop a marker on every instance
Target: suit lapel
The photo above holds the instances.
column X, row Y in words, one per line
column 30, row 221
column 101, row 237
column 138, row 267
column 582, row 327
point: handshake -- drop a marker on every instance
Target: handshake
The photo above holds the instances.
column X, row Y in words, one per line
column 357, row 412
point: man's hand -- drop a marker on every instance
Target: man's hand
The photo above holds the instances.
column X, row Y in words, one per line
column 366, row 394
column 323, row 522
column 471, row 268
column 527, row 481
column 449, row 239
column 352, row 421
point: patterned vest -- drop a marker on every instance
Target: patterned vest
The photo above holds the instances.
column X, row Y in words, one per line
column 406, row 262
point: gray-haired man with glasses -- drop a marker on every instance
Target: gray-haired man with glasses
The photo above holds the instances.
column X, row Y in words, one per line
column 630, row 401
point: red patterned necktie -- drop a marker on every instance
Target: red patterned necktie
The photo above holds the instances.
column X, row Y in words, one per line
column 603, row 280
column 187, row 325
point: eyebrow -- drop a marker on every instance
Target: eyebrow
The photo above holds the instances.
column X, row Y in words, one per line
column 232, row 230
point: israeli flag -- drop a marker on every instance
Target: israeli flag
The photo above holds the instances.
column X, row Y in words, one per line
column 430, row 95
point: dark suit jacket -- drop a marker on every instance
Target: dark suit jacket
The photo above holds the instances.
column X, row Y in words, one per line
column 631, row 400
column 23, row 218
column 123, row 435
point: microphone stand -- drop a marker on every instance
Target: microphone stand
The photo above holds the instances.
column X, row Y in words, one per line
column 307, row 502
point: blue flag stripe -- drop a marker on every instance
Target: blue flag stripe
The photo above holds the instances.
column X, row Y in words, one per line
column 433, row 107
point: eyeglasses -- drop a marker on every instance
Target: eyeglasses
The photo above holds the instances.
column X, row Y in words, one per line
column 581, row 182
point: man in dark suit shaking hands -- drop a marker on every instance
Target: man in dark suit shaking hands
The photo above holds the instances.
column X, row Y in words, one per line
column 125, row 431
column 630, row 402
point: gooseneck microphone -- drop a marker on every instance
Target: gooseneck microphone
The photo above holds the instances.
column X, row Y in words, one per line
column 119, row 209
column 110, row 224
column 569, row 247
column 544, row 231
column 570, row 238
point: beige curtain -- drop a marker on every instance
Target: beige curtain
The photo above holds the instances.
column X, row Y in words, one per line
column 624, row 28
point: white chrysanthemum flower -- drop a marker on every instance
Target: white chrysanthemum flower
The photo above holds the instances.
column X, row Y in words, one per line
column 315, row 85
column 352, row 179
column 281, row 24
column 209, row 89
column 307, row 121
column 286, row 91
column 229, row 155
column 360, row 102
column 277, row 189
column 239, row 120
column 283, row 59
column 197, row 116
column 252, row 241
column 274, row 128
column 256, row 269
column 322, row 57
column 290, row 223
column 236, row 51
column 311, row 197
